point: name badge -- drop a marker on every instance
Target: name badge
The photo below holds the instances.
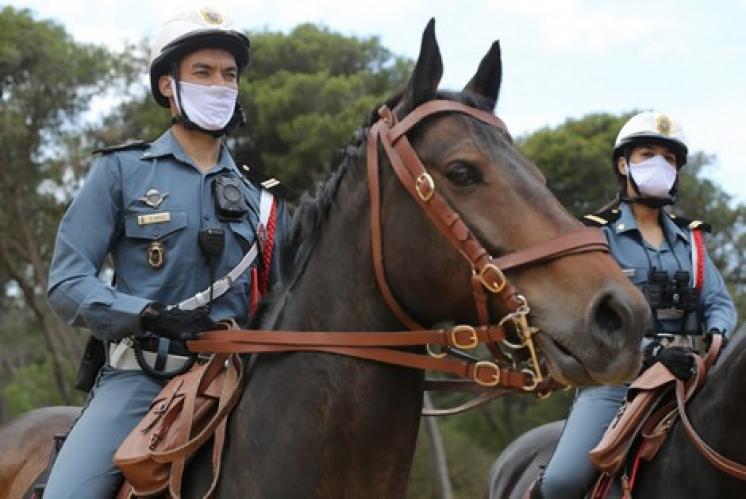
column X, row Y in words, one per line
column 629, row 272
column 154, row 218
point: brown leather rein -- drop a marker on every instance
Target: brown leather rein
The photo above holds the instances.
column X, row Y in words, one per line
column 683, row 394
column 487, row 276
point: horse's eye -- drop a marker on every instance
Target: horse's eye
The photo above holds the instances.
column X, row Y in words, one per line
column 460, row 173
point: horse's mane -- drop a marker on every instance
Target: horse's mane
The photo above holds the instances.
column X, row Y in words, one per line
column 312, row 210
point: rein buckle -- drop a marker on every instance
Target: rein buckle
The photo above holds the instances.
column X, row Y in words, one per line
column 494, row 377
column 472, row 342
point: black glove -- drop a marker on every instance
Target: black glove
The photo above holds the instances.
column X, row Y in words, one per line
column 678, row 360
column 176, row 324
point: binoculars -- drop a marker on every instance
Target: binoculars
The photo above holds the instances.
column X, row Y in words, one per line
column 663, row 292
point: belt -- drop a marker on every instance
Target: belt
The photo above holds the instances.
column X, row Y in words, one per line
column 122, row 356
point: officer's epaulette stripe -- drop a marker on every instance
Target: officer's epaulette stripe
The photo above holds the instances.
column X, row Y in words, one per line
column 596, row 219
column 602, row 218
column 133, row 144
column 266, row 182
column 688, row 223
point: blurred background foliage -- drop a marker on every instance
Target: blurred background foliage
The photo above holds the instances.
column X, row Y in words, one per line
column 305, row 93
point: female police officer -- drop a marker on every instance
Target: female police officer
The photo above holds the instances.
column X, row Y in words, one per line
column 656, row 251
column 173, row 215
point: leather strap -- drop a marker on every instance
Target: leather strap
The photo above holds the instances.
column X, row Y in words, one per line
column 724, row 464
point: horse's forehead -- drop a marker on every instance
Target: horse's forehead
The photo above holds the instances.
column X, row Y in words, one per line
column 456, row 129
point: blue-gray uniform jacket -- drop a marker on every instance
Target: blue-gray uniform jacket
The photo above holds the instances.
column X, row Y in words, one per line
column 636, row 256
column 109, row 216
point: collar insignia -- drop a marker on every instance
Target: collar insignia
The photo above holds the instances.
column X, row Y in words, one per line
column 153, row 198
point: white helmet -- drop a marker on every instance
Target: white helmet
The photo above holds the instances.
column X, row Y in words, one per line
column 189, row 31
column 655, row 127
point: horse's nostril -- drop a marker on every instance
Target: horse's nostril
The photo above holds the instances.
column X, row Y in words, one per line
column 606, row 316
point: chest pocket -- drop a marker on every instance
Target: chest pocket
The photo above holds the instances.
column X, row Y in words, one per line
column 244, row 234
column 139, row 226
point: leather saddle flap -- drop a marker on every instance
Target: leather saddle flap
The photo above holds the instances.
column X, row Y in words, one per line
column 643, row 396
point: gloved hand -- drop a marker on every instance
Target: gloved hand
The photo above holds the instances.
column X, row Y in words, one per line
column 176, row 324
column 676, row 359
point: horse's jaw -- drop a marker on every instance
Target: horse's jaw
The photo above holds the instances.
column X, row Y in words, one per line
column 571, row 368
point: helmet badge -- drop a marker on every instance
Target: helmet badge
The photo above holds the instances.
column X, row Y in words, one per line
column 664, row 125
column 211, row 17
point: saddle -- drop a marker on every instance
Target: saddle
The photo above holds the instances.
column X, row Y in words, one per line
column 643, row 422
column 190, row 410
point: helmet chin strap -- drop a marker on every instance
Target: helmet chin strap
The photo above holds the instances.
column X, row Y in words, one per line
column 639, row 198
column 238, row 118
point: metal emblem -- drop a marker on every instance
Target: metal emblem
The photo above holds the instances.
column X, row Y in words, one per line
column 153, row 198
column 663, row 124
column 156, row 254
column 211, row 17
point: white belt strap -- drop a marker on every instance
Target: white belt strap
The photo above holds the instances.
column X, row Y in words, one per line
column 222, row 285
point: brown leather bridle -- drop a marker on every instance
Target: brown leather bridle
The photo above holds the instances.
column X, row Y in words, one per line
column 487, row 276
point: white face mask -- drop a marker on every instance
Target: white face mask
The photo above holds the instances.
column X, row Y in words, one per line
column 208, row 106
column 654, row 176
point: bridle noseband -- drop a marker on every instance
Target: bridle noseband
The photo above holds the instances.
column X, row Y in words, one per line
column 487, row 276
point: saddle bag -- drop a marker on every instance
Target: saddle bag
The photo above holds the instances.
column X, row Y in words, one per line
column 191, row 408
column 643, row 397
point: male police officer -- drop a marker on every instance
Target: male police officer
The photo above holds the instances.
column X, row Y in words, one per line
column 173, row 215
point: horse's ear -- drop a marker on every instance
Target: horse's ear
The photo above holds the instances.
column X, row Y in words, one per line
column 425, row 78
column 486, row 81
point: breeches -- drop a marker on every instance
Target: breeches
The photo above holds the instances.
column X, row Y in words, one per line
column 570, row 474
column 84, row 467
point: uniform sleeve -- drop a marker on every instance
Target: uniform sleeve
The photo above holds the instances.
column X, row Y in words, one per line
column 717, row 304
column 87, row 231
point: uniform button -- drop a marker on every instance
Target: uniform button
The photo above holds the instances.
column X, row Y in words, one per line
column 207, row 217
column 156, row 233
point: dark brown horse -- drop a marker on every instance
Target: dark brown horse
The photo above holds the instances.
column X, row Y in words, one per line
column 678, row 470
column 320, row 425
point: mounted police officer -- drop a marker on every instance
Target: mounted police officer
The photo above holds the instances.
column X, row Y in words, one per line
column 665, row 258
column 190, row 238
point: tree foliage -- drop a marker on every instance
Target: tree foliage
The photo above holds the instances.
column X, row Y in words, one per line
column 46, row 82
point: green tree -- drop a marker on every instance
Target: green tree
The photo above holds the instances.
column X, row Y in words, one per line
column 46, row 83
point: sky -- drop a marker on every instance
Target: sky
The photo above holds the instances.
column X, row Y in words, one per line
column 561, row 58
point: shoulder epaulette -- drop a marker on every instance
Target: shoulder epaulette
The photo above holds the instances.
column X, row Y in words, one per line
column 601, row 218
column 265, row 182
column 132, row 144
column 688, row 223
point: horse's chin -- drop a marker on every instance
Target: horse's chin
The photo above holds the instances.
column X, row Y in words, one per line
column 563, row 365
column 568, row 367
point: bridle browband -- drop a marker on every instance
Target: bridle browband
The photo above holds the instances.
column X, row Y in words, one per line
column 487, row 276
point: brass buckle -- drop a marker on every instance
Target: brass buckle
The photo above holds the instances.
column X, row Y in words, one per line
column 436, row 355
column 473, row 339
column 425, row 178
column 490, row 365
column 502, row 281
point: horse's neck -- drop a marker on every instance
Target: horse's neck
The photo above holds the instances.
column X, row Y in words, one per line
column 337, row 291
column 333, row 424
